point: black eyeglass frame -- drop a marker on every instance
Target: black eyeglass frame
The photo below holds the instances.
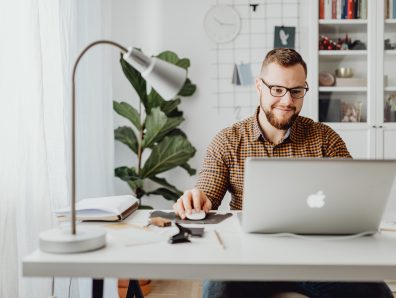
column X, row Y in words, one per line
column 287, row 89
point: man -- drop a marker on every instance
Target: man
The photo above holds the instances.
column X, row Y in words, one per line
column 275, row 130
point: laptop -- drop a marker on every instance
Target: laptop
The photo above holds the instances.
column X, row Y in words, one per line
column 315, row 196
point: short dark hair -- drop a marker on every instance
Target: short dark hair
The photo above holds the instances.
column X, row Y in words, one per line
column 284, row 57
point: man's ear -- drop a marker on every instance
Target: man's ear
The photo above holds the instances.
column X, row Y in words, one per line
column 258, row 86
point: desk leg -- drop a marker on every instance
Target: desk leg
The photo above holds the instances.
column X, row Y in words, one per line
column 97, row 288
column 134, row 290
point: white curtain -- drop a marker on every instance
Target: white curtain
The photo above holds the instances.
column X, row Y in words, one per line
column 40, row 40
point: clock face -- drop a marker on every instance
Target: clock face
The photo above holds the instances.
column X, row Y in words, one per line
column 222, row 23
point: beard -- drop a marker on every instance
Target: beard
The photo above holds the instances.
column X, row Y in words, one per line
column 280, row 123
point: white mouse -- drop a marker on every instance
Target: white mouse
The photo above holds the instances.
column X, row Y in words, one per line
column 196, row 215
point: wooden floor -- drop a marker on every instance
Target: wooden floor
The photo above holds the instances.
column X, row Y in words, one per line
column 178, row 289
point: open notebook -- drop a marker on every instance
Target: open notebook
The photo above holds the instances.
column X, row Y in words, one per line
column 114, row 208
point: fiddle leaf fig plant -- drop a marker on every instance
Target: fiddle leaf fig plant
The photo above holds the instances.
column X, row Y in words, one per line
column 154, row 131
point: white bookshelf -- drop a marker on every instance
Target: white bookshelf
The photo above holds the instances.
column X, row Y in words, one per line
column 343, row 22
column 342, row 89
column 390, row 88
column 373, row 136
column 343, row 53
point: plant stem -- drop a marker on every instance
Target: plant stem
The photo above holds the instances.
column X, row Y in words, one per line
column 140, row 139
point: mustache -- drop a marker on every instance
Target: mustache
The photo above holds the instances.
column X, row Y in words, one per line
column 284, row 107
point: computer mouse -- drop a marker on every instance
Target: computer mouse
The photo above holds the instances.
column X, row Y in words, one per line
column 196, row 215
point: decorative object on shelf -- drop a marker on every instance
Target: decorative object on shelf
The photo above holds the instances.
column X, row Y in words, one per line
column 326, row 79
column 351, row 111
column 390, row 108
column 155, row 139
column 344, row 72
column 325, row 43
column 284, row 37
column 222, row 23
column 168, row 79
column 388, row 45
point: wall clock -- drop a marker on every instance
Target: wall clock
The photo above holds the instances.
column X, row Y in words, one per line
column 222, row 23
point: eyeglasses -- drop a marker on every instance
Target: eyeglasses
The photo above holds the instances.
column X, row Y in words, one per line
column 279, row 91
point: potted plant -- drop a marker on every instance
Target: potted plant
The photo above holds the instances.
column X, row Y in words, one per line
column 154, row 138
column 154, row 129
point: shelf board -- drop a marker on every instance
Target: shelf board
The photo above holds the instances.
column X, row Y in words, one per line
column 343, row 22
column 390, row 52
column 342, row 89
column 343, row 53
column 390, row 21
column 347, row 125
column 390, row 88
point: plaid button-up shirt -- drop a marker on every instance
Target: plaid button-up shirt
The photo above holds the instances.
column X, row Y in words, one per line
column 223, row 165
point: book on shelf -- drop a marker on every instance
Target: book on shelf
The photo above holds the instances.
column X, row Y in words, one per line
column 115, row 208
column 343, row 9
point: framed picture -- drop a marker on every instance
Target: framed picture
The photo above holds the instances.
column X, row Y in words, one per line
column 284, row 37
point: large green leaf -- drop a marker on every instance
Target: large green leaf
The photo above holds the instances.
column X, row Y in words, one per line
column 125, row 173
column 126, row 136
column 188, row 88
column 153, row 100
column 171, row 124
column 168, row 106
column 163, row 182
column 145, row 207
column 166, row 193
column 189, row 169
column 169, row 56
column 136, row 79
column 184, row 63
column 176, row 132
column 155, row 122
column 171, row 152
column 126, row 110
column 130, row 176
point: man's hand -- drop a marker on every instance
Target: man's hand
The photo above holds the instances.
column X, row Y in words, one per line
column 192, row 199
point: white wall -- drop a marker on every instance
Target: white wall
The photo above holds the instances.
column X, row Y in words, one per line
column 177, row 25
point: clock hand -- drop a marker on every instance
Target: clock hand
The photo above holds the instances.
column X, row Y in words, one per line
column 223, row 23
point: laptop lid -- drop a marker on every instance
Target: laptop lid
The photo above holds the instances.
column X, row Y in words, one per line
column 315, row 196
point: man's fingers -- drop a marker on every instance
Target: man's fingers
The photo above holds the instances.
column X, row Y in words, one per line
column 207, row 206
column 180, row 208
column 187, row 198
column 197, row 198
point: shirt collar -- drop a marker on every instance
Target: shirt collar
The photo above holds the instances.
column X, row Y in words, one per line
column 258, row 133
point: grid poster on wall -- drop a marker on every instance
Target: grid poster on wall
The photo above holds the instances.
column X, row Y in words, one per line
column 242, row 32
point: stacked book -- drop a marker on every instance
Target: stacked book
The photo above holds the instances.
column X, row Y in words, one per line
column 114, row 208
column 343, row 9
column 390, row 9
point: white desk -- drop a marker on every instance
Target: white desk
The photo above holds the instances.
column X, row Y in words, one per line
column 246, row 257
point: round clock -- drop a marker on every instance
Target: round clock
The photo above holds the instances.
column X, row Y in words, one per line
column 222, row 23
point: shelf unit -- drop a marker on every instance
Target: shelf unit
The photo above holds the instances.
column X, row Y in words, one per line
column 374, row 136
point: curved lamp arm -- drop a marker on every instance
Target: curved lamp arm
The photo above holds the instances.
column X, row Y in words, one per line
column 166, row 78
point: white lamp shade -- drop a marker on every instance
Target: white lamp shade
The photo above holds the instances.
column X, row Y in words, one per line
column 166, row 78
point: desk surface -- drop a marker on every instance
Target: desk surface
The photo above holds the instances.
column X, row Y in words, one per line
column 246, row 256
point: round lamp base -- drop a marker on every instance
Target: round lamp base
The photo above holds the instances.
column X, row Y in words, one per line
column 63, row 241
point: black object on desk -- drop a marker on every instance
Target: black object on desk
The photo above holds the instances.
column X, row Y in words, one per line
column 211, row 217
column 183, row 235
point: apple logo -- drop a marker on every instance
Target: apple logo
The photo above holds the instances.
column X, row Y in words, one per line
column 316, row 200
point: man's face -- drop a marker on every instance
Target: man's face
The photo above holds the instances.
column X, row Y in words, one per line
column 281, row 111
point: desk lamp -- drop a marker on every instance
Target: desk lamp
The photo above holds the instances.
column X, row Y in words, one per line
column 167, row 79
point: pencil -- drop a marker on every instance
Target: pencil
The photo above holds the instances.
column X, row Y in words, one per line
column 220, row 240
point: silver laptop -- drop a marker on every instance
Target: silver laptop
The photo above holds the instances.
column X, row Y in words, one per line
column 315, row 196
